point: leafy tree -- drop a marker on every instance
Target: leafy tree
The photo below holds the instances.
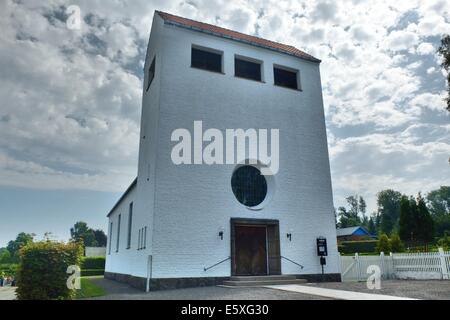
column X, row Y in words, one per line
column 22, row 240
column 388, row 202
column 383, row 244
column 351, row 217
column 100, row 238
column 438, row 202
column 424, row 222
column 5, row 255
column 362, row 207
column 406, row 223
column 347, row 219
column 396, row 244
column 81, row 233
column 414, row 214
column 444, row 51
column 444, row 242
column 371, row 225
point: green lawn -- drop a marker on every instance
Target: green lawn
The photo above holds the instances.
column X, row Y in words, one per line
column 89, row 289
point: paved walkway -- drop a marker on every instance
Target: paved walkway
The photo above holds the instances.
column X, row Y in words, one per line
column 390, row 289
column 120, row 291
column 7, row 293
column 335, row 294
column 418, row 289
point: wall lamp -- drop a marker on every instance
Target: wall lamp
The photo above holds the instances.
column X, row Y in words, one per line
column 221, row 232
column 289, row 236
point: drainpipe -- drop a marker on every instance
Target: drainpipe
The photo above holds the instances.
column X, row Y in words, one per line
column 149, row 273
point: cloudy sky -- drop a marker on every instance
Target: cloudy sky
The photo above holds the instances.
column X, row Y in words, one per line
column 70, row 99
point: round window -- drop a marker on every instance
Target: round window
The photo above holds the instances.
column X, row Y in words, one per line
column 249, row 186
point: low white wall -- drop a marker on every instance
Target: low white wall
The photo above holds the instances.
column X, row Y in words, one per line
column 95, row 251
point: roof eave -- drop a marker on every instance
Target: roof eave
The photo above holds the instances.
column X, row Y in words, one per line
column 180, row 25
column 131, row 187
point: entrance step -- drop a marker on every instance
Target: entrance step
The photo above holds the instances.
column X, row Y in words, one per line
column 257, row 278
column 260, row 281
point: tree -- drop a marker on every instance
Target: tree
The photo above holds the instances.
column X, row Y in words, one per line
column 406, row 223
column 81, row 233
column 371, row 225
column 414, row 216
column 351, row 217
column 22, row 240
column 444, row 242
column 444, row 51
column 100, row 238
column 388, row 202
column 346, row 219
column 5, row 255
column 396, row 244
column 383, row 244
column 425, row 226
column 438, row 203
column 362, row 207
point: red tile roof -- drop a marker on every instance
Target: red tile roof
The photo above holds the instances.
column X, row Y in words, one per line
column 234, row 35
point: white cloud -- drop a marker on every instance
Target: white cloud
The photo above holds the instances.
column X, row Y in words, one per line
column 401, row 40
column 431, row 70
column 430, row 101
column 425, row 48
column 71, row 100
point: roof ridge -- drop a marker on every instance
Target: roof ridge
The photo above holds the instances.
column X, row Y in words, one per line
column 212, row 25
column 288, row 49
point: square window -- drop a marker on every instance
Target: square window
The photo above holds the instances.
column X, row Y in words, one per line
column 244, row 68
column 206, row 60
column 285, row 78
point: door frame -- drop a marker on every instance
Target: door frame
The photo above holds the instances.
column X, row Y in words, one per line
column 273, row 257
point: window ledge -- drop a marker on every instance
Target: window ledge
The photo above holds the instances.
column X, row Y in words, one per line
column 259, row 81
column 276, row 85
column 217, row 72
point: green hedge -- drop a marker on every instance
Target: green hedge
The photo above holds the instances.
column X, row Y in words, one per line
column 42, row 270
column 92, row 263
column 366, row 246
column 92, row 272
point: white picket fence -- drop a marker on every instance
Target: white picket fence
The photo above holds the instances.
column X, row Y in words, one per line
column 420, row 266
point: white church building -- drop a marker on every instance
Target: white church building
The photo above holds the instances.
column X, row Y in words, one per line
column 205, row 223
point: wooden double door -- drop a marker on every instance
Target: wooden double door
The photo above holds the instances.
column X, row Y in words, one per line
column 255, row 246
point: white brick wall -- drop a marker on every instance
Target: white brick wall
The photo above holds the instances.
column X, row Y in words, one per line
column 187, row 205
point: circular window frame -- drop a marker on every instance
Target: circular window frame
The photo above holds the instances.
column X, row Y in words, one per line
column 270, row 182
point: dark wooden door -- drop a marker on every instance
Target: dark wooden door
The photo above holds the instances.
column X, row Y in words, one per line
column 250, row 250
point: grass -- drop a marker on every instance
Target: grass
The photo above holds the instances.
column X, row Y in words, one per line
column 89, row 289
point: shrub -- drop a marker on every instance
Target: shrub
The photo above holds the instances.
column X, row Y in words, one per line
column 396, row 244
column 349, row 247
column 92, row 272
column 93, row 263
column 383, row 244
column 42, row 270
column 444, row 242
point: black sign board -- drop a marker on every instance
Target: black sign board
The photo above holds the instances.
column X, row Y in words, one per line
column 322, row 250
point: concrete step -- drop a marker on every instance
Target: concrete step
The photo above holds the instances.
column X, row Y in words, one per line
column 261, row 283
column 257, row 278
